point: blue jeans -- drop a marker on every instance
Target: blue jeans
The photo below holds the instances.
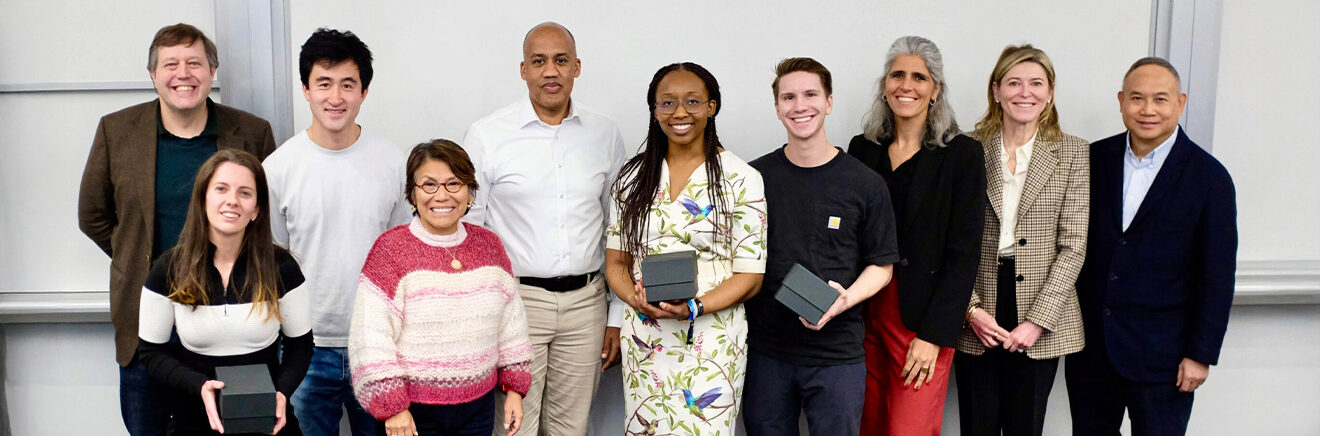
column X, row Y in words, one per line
column 325, row 392
column 144, row 404
column 777, row 392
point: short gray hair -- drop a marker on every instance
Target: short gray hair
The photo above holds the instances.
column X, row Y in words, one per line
column 941, row 126
column 1158, row 61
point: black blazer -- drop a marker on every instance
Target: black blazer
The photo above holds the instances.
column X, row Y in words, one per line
column 1161, row 290
column 941, row 246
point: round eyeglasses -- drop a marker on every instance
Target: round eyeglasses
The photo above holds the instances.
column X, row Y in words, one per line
column 692, row 106
column 432, row 186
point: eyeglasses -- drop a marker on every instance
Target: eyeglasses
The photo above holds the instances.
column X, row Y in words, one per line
column 692, row 106
column 432, row 186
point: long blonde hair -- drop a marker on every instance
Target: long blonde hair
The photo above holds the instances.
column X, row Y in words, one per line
column 1047, row 126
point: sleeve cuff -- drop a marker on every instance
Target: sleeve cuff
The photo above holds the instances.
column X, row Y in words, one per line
column 516, row 378
column 616, row 312
column 753, row 266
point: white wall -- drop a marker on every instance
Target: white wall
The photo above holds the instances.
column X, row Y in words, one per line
column 1265, row 125
column 46, row 135
column 440, row 68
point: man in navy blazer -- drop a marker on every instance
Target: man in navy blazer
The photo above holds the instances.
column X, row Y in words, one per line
column 1157, row 284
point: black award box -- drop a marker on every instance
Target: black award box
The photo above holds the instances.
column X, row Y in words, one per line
column 805, row 294
column 247, row 403
column 670, row 276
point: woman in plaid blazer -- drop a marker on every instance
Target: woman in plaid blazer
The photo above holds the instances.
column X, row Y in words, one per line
column 1023, row 313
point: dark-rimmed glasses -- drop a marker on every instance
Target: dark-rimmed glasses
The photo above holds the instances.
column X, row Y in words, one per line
column 432, row 186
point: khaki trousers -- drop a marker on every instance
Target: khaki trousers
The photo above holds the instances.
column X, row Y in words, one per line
column 567, row 330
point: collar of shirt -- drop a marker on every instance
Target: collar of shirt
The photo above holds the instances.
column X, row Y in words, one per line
column 215, row 287
column 527, row 115
column 1154, row 158
column 1023, row 153
column 211, row 128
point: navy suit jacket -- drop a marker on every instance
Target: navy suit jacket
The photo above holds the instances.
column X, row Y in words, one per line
column 1160, row 291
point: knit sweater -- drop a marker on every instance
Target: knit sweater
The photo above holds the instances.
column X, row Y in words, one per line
column 425, row 332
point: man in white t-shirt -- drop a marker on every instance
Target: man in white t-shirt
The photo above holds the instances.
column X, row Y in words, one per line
column 545, row 165
column 333, row 189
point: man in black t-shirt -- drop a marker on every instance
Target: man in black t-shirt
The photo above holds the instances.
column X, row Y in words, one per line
column 832, row 214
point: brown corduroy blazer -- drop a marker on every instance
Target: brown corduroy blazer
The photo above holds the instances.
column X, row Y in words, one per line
column 117, row 199
column 1052, row 217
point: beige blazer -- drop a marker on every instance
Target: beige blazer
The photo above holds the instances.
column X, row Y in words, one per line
column 117, row 200
column 1051, row 232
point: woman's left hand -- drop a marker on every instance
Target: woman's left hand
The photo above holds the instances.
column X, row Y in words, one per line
column 280, row 402
column 920, row 366
column 513, row 412
column 1023, row 337
column 674, row 310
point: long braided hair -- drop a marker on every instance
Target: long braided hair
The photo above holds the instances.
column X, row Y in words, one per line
column 639, row 179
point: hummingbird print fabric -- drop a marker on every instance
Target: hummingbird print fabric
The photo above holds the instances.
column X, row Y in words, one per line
column 671, row 387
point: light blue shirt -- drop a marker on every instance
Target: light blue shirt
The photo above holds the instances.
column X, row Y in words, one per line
column 1139, row 174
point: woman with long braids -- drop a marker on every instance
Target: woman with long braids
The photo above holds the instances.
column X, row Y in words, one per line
column 233, row 297
column 684, row 361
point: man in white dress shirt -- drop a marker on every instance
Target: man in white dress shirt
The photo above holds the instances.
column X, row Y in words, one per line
column 545, row 166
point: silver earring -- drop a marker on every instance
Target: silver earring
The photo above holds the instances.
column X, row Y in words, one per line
column 932, row 102
column 472, row 203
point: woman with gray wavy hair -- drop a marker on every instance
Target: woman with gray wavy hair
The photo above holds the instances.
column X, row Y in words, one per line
column 936, row 180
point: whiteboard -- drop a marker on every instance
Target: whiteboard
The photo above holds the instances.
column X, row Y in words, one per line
column 440, row 67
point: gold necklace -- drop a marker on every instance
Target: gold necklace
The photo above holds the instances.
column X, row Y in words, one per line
column 453, row 263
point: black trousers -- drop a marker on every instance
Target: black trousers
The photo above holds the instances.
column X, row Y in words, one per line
column 1098, row 396
column 1003, row 391
column 472, row 418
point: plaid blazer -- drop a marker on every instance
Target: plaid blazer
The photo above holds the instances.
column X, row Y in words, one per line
column 1051, row 219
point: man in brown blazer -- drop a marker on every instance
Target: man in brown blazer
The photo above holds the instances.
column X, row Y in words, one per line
column 137, row 185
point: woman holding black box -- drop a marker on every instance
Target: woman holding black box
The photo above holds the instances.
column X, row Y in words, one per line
column 936, row 179
column 1024, row 312
column 684, row 361
column 233, row 297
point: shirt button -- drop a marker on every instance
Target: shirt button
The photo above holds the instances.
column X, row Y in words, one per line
column 1020, row 278
column 1122, row 241
column 1106, row 311
column 1022, row 242
column 1113, row 276
column 903, row 261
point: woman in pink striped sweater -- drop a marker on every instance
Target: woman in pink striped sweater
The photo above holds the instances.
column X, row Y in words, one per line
column 438, row 324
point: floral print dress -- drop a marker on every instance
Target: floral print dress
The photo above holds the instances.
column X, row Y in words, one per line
column 673, row 385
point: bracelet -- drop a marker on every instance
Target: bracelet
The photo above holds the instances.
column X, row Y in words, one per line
column 692, row 309
column 701, row 308
column 971, row 312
